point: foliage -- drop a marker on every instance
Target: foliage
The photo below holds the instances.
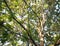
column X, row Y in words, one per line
column 19, row 20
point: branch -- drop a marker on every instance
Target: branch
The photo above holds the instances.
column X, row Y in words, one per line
column 15, row 32
column 31, row 9
column 19, row 23
column 8, row 29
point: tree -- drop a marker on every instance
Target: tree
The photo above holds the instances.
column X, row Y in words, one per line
column 33, row 21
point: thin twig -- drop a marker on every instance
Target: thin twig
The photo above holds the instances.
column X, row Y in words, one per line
column 20, row 23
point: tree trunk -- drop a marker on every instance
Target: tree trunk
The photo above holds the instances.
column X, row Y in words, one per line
column 40, row 29
column 41, row 38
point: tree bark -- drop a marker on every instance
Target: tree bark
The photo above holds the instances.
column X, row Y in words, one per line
column 41, row 38
column 40, row 29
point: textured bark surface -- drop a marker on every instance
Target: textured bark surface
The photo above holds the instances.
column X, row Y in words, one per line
column 40, row 30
